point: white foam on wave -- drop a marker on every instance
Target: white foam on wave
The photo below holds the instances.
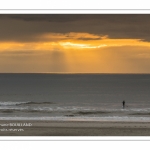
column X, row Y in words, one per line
column 19, row 106
column 15, row 106
column 73, row 108
column 127, row 110
column 9, row 103
column 12, row 103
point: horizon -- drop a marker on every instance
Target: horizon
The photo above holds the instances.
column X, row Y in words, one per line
column 61, row 73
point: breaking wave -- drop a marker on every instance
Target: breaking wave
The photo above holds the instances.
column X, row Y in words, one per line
column 22, row 103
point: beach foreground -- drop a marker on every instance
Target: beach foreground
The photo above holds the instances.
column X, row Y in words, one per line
column 73, row 128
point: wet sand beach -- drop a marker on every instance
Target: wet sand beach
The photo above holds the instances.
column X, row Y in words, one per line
column 73, row 128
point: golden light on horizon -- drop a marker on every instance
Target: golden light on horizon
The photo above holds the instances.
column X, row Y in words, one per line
column 79, row 46
column 75, row 52
column 71, row 41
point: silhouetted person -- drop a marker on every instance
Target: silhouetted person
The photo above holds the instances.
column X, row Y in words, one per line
column 123, row 104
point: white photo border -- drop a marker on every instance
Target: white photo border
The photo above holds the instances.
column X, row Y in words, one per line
column 75, row 138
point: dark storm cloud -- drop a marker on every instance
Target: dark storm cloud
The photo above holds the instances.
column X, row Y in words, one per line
column 103, row 18
column 28, row 27
column 89, row 39
column 48, row 17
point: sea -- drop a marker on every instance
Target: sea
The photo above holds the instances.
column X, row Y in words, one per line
column 75, row 97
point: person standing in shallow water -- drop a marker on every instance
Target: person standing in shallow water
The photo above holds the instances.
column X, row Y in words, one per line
column 123, row 104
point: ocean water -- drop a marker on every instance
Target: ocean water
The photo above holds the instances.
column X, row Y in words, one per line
column 75, row 97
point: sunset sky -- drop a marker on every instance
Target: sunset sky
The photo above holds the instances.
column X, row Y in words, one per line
column 80, row 43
